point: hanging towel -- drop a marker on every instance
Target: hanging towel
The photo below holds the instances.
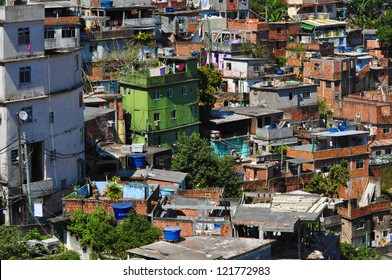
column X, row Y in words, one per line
column 154, row 72
column 28, row 46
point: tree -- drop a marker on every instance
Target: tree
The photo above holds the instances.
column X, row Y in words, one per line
column 205, row 168
column 274, row 10
column 13, row 245
column 209, row 81
column 384, row 30
column 104, row 236
column 255, row 50
column 353, row 252
column 338, row 176
column 364, row 14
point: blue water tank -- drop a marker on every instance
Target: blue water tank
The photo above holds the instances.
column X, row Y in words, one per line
column 169, row 9
column 167, row 192
column 106, row 3
column 137, row 161
column 333, row 129
column 279, row 72
column 171, row 233
column 121, row 209
column 349, row 49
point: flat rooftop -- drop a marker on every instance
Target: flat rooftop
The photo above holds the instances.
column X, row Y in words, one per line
column 200, row 248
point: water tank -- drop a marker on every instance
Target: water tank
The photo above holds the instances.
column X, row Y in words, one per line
column 137, row 161
column 349, row 49
column 167, row 192
column 279, row 72
column 171, row 233
column 121, row 209
column 106, row 3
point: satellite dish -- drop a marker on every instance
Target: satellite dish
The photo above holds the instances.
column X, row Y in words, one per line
column 23, row 115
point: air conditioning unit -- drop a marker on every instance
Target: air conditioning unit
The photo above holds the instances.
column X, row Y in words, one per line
column 357, row 116
column 308, row 54
column 156, row 123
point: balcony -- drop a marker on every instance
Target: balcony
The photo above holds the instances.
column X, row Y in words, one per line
column 272, row 134
column 142, row 22
column 108, row 33
column 305, row 151
column 375, row 207
column 143, row 78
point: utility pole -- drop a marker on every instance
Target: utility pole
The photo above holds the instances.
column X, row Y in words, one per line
column 20, row 160
column 26, row 162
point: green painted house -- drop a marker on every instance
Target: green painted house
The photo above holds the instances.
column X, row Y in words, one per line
column 162, row 102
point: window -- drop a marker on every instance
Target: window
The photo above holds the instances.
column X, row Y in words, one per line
column 193, row 110
column 14, row 156
column 325, row 167
column 328, row 84
column 23, row 36
column 378, row 153
column 184, row 91
column 156, row 117
column 156, row 140
column 306, row 94
column 380, row 218
column 359, row 164
column 173, row 114
column 317, row 82
column 24, row 75
column 386, row 130
column 93, row 47
column 291, row 96
column 360, row 224
column 49, row 33
column 228, row 66
column 51, row 117
column 68, row 32
column 320, row 9
column 190, row 90
column 388, row 151
column 169, row 93
column 329, row 8
column 278, row 30
column 337, row 84
column 156, row 95
column 256, row 69
column 29, row 111
column 317, row 66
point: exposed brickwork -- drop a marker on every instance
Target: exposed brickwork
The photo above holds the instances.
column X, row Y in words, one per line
column 251, row 24
column 213, row 193
column 301, row 113
column 364, row 211
column 89, row 205
column 185, row 225
column 71, row 20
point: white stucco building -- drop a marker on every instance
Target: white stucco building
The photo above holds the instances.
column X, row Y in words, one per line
column 46, row 86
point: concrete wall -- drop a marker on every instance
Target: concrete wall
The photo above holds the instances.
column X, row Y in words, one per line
column 20, row 16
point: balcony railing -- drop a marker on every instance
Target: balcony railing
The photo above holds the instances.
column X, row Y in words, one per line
column 142, row 22
column 144, row 79
column 305, row 151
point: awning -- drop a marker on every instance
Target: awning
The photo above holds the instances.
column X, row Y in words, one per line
column 307, row 26
column 298, row 160
column 365, row 57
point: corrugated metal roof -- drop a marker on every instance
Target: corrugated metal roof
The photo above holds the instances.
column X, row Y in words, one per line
column 90, row 113
column 323, row 22
column 340, row 133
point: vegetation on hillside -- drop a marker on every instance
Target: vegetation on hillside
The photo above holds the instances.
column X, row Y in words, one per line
column 105, row 237
column 338, row 176
column 205, row 169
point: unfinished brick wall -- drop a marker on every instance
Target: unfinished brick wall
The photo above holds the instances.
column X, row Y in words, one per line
column 89, row 205
column 301, row 113
column 186, row 226
column 212, row 193
column 186, row 49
